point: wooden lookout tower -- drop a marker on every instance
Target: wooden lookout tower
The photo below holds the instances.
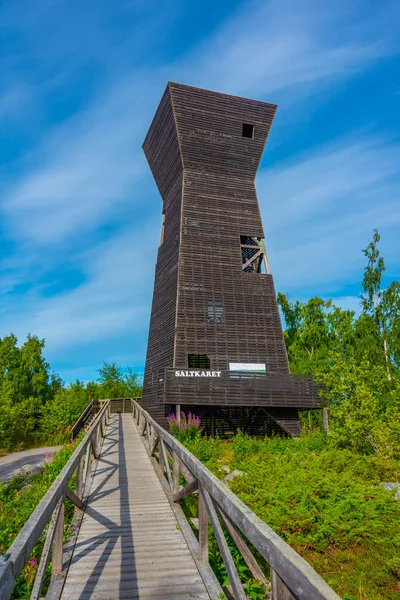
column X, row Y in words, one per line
column 216, row 345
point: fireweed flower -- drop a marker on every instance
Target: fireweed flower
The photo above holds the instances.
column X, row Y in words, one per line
column 187, row 428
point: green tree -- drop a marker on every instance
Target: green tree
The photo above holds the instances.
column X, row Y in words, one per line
column 26, row 385
column 381, row 309
column 314, row 330
column 114, row 383
column 356, row 360
column 62, row 412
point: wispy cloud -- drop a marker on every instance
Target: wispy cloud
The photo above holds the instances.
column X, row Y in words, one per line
column 111, row 301
column 84, row 171
column 319, row 211
column 275, row 45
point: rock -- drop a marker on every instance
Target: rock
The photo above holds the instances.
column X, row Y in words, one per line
column 226, row 468
column 391, row 485
column 235, row 473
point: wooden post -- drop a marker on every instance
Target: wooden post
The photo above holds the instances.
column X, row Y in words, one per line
column 175, row 475
column 86, row 473
column 161, row 460
column 178, row 413
column 79, row 476
column 279, row 591
column 93, row 442
column 57, row 554
column 203, row 529
column 123, row 405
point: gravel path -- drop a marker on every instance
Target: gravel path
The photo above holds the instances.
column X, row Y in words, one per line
column 26, row 460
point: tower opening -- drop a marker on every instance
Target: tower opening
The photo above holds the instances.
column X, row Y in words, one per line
column 248, row 131
column 199, row 361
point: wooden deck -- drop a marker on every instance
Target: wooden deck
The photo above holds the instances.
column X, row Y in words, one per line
column 129, row 544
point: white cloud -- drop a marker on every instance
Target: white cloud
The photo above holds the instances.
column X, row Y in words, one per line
column 111, row 302
column 82, row 175
column 319, row 211
column 275, row 45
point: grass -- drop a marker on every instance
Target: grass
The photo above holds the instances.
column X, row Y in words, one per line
column 327, row 503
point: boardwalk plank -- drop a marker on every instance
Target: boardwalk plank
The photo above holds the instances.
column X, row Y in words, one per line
column 129, row 545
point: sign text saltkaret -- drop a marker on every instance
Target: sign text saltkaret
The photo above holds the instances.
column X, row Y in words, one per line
column 197, row 373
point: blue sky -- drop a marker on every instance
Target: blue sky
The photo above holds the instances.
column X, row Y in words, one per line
column 80, row 83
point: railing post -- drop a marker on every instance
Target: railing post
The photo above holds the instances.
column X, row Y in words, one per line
column 161, row 466
column 175, row 474
column 79, row 479
column 57, row 554
column 279, row 591
column 203, row 529
column 86, row 473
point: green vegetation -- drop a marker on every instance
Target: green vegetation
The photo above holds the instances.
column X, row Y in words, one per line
column 325, row 501
column 36, row 408
column 18, row 499
column 356, row 360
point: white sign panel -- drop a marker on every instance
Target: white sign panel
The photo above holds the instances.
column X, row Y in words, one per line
column 253, row 367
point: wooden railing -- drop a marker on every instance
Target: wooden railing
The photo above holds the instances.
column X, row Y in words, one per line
column 51, row 511
column 291, row 577
column 80, row 423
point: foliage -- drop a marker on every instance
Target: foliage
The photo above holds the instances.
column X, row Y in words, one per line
column 326, row 502
column 23, row 493
column 62, row 412
column 18, row 499
column 355, row 359
column 36, row 408
column 381, row 308
column 185, row 428
column 113, row 383
column 26, row 385
column 253, row 588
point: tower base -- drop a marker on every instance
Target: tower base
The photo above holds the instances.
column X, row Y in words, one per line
column 225, row 421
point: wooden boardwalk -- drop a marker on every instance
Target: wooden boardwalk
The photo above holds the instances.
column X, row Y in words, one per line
column 129, row 544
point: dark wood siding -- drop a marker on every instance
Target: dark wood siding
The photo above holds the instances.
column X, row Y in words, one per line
column 205, row 171
column 163, row 154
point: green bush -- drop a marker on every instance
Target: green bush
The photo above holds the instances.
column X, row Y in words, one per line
column 326, row 502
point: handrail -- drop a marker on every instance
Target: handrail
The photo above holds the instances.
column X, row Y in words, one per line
column 14, row 560
column 79, row 423
column 292, row 578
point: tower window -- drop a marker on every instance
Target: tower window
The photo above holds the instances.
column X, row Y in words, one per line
column 199, row 361
column 248, row 131
column 216, row 311
column 162, row 228
column 254, row 257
